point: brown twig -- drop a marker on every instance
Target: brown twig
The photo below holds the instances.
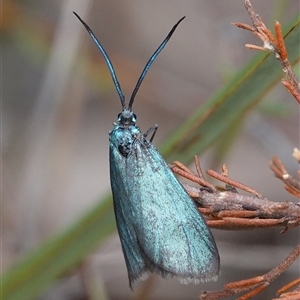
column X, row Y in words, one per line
column 283, row 291
column 185, row 172
column 232, row 182
column 256, row 284
column 198, row 167
column 280, row 42
column 274, row 44
column 232, row 211
column 229, row 210
column 291, row 184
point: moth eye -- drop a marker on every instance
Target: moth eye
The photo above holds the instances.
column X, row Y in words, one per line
column 134, row 117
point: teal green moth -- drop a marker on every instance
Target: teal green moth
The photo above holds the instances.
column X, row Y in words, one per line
column 160, row 228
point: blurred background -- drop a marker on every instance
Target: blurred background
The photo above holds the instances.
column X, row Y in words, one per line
column 58, row 104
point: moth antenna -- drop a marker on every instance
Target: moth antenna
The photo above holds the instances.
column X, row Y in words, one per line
column 149, row 63
column 107, row 60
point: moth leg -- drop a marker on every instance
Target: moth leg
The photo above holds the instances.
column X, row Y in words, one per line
column 154, row 129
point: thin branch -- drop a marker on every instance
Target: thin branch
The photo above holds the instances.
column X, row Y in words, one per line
column 232, row 211
column 254, row 285
column 229, row 210
column 233, row 183
column 274, row 44
column 289, row 295
column 291, row 184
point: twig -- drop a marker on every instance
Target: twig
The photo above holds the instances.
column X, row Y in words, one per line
column 289, row 295
column 185, row 172
column 255, row 284
column 234, row 183
column 296, row 154
column 273, row 44
column 232, row 211
column 291, row 184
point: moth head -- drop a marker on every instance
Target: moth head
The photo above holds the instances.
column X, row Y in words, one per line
column 127, row 117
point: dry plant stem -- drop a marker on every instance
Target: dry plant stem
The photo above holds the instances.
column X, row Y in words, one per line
column 270, row 276
column 225, row 170
column 278, row 167
column 288, row 286
column 296, row 154
column 228, row 187
column 243, row 26
column 292, row 82
column 280, row 41
column 198, row 167
column 291, row 184
column 232, row 211
column 289, row 296
column 272, row 212
column 233, row 183
column 187, row 175
column 244, row 223
column 237, row 214
column 180, row 169
column 273, row 44
column 254, row 47
column 291, row 89
column 256, row 284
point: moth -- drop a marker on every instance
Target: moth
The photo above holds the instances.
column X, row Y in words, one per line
column 160, row 228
